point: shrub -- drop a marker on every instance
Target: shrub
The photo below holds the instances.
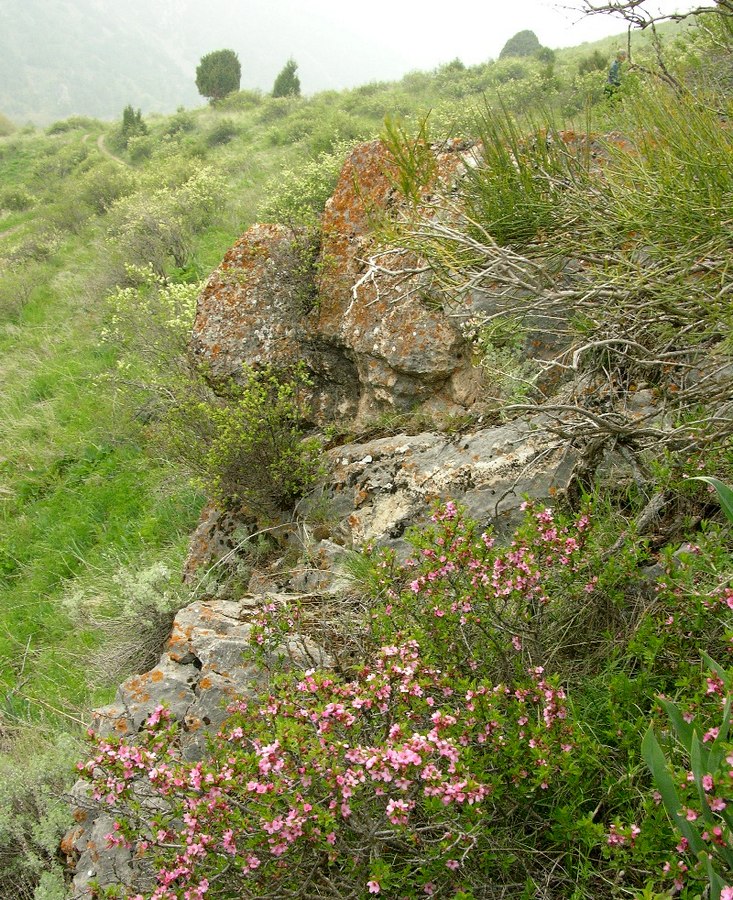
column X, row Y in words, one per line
column 104, row 184
column 156, row 227
column 298, row 196
column 516, row 191
column 73, row 123
column 370, row 781
column 222, row 133
column 34, row 815
column 432, row 766
column 499, row 349
column 248, row 449
column 16, row 199
column 131, row 612
column 150, row 319
column 6, row 126
column 67, row 215
column 489, row 738
column 183, row 121
column 240, row 100
column 594, row 62
column 139, row 147
column 16, row 288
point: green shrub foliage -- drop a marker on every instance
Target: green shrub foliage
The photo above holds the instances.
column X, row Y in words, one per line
column 287, row 83
column 248, row 447
column 218, row 74
column 6, row 126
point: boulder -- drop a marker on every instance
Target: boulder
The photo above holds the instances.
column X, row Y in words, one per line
column 200, row 672
column 408, row 353
column 379, row 488
column 252, row 313
column 372, row 344
column 248, row 312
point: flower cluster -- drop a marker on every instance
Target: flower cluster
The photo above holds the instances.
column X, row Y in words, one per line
column 462, row 731
column 400, row 762
column 461, row 586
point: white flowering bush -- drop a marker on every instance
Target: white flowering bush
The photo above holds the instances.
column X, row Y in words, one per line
column 149, row 322
column 156, row 227
column 298, row 196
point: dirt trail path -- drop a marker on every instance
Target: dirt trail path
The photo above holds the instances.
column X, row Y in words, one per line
column 105, row 152
column 8, row 231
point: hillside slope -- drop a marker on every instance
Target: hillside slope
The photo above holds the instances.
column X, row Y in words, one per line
column 92, row 57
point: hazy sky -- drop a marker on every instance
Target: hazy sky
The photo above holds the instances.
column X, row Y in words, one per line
column 421, row 34
column 428, row 32
column 150, row 48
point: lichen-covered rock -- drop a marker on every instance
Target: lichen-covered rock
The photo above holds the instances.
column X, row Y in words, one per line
column 253, row 312
column 407, row 353
column 372, row 345
column 200, row 672
column 379, row 488
column 211, row 541
column 248, row 312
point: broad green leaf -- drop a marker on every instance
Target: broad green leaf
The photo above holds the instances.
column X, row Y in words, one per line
column 725, row 494
column 699, row 769
column 683, row 730
column 716, row 667
column 718, row 750
column 657, row 764
column 716, row 882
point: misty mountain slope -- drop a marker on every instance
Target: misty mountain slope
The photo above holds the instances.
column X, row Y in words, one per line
column 92, row 57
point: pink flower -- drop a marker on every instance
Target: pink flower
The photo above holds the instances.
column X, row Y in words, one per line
column 374, row 887
column 453, row 864
column 726, row 893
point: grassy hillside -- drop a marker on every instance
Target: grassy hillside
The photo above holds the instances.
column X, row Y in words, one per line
column 93, row 518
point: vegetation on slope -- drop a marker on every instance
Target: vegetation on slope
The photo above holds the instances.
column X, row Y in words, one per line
column 94, row 519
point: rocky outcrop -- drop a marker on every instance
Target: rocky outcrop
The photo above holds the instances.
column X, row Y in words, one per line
column 378, row 489
column 372, row 344
column 201, row 671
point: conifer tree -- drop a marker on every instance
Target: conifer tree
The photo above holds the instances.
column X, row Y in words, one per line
column 218, row 74
column 524, row 43
column 287, row 83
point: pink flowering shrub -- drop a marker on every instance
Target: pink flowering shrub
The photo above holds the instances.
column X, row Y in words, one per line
column 695, row 781
column 391, row 780
column 486, row 744
column 483, row 607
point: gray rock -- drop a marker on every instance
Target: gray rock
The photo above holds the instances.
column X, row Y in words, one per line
column 200, row 672
column 488, row 470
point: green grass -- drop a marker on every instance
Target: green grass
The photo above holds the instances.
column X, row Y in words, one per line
column 79, row 490
column 85, row 503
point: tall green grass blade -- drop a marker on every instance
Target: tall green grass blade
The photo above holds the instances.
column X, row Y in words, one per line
column 657, row 765
column 683, row 730
column 699, row 767
column 725, row 494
